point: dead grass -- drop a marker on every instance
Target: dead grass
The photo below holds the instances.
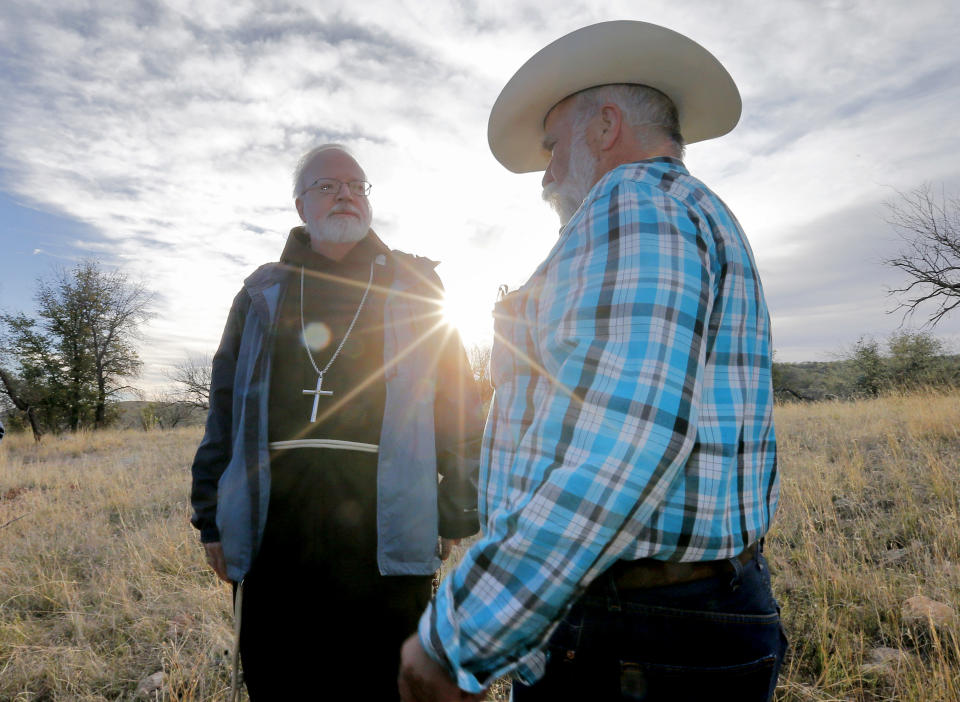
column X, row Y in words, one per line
column 868, row 518
column 101, row 579
column 102, row 582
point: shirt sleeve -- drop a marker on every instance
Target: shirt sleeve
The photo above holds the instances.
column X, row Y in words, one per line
column 619, row 341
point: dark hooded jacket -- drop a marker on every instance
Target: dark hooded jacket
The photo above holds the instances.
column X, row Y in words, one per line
column 431, row 425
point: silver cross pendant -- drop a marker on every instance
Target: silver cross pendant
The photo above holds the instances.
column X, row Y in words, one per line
column 316, row 396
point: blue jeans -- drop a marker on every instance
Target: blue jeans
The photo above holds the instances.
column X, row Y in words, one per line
column 713, row 639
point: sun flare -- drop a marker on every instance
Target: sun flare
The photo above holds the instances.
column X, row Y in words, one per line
column 470, row 316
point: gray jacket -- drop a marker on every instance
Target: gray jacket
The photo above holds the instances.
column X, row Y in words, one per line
column 431, row 427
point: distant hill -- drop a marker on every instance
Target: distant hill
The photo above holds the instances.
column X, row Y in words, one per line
column 137, row 414
column 827, row 380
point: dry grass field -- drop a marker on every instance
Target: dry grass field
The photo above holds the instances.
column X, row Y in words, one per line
column 102, row 582
column 869, row 518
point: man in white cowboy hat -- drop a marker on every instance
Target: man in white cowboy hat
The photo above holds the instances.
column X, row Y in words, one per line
column 629, row 467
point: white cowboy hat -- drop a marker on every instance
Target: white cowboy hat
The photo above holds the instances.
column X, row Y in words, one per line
column 707, row 99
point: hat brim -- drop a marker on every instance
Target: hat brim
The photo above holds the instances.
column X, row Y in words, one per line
column 707, row 100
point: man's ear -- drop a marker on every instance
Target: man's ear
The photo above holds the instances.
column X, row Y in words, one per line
column 300, row 209
column 611, row 122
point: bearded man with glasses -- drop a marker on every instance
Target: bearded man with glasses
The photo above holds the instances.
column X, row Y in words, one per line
column 338, row 401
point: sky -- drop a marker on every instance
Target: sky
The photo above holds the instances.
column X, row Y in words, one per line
column 160, row 137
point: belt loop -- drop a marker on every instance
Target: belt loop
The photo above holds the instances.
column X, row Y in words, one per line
column 737, row 572
column 613, row 597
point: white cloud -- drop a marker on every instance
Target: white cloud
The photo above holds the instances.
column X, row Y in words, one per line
column 172, row 129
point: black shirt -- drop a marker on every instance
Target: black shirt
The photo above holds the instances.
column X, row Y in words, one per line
column 332, row 291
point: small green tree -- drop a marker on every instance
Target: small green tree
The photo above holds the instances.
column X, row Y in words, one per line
column 915, row 359
column 73, row 358
column 871, row 373
column 38, row 377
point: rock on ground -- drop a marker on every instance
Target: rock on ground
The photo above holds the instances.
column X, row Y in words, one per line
column 884, row 662
column 920, row 610
column 150, row 685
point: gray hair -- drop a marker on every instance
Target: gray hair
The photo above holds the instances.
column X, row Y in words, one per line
column 305, row 160
column 642, row 107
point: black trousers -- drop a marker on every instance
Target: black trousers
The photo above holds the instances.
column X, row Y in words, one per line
column 319, row 622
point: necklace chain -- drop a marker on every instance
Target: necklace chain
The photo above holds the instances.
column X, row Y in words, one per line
column 303, row 331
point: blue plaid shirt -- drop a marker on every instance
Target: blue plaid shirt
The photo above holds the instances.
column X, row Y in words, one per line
column 633, row 417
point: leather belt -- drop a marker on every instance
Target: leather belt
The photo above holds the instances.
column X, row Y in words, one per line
column 649, row 572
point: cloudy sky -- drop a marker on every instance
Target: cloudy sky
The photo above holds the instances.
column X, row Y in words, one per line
column 160, row 137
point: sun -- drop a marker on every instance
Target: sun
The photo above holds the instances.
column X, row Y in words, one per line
column 469, row 316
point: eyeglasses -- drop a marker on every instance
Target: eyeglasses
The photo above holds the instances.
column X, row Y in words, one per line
column 331, row 186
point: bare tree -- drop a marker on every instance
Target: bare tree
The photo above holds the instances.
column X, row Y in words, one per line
column 930, row 227
column 479, row 357
column 165, row 411
column 192, row 376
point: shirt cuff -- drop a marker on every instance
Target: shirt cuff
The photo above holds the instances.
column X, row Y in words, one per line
column 432, row 644
column 441, row 639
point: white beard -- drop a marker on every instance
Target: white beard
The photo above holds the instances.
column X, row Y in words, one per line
column 564, row 202
column 565, row 198
column 338, row 230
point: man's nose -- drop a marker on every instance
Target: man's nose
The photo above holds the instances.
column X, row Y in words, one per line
column 344, row 192
column 547, row 177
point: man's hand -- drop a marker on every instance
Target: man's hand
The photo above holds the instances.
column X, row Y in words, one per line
column 216, row 560
column 422, row 679
column 446, row 547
